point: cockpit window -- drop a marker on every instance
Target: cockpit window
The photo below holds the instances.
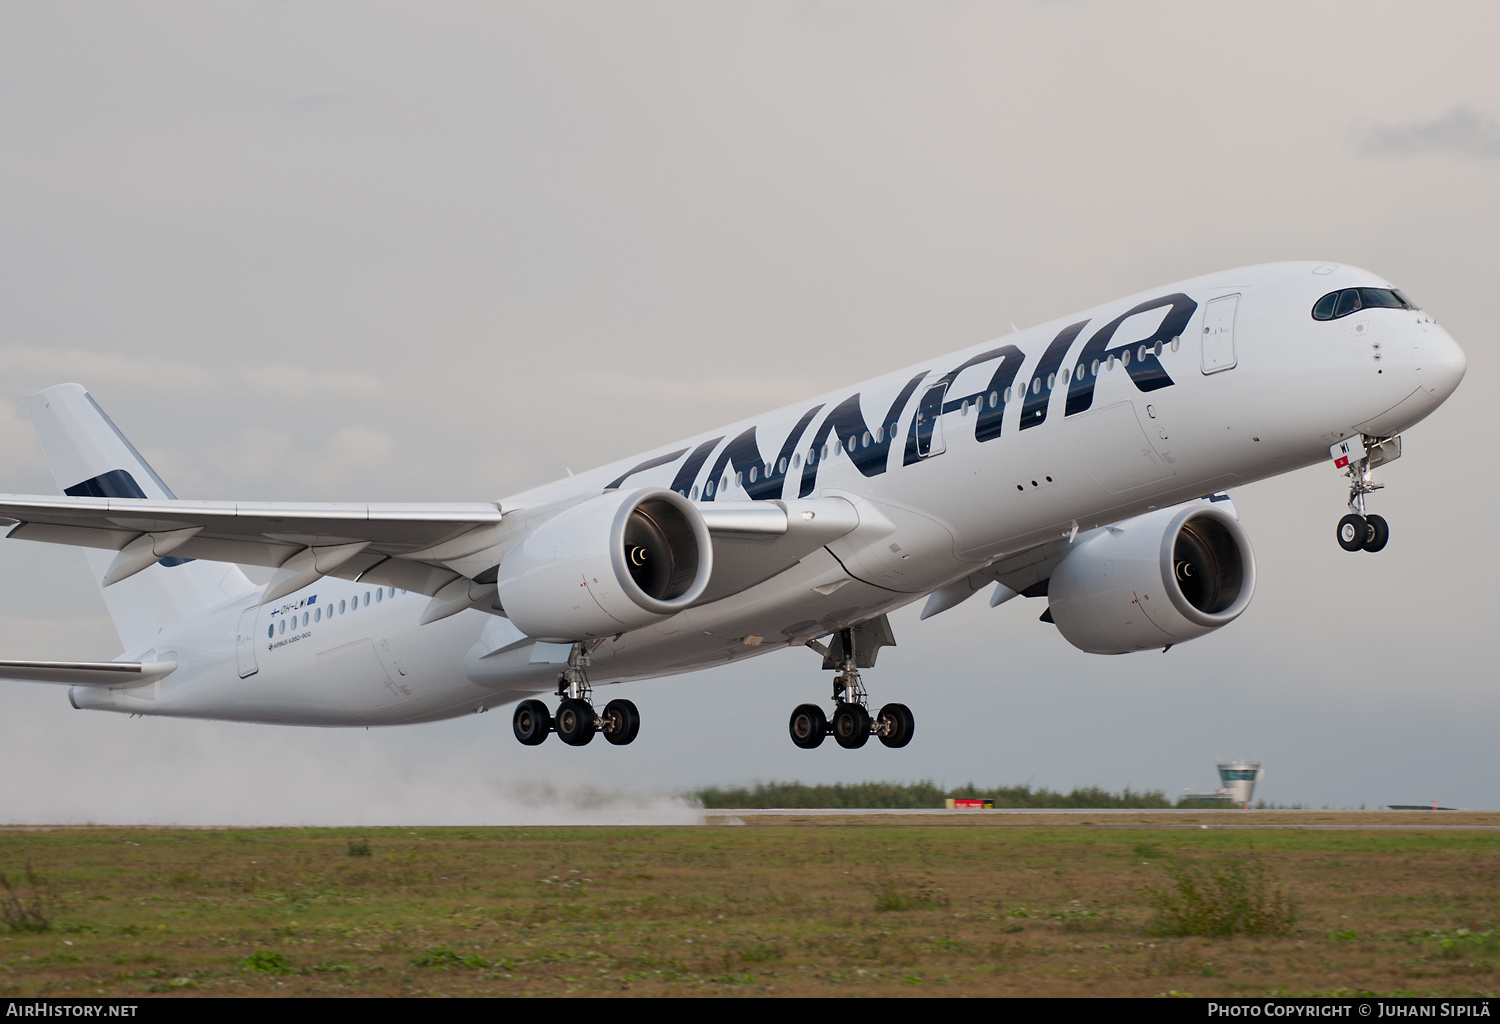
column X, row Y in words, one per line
column 1380, row 297
column 1350, row 300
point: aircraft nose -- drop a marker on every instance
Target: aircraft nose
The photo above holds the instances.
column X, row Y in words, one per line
column 1440, row 362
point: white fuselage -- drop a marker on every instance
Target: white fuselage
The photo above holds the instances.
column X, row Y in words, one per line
column 945, row 483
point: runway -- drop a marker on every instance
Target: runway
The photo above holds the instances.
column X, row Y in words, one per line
column 1322, row 820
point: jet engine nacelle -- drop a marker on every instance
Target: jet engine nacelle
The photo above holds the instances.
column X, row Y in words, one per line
column 1154, row 580
column 613, row 563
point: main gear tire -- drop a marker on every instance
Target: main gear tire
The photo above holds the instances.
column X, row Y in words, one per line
column 808, row 726
column 574, row 722
column 851, row 726
column 622, row 721
column 532, row 722
column 895, row 725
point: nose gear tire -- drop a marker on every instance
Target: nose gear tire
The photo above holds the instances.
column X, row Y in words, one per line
column 574, row 722
column 808, row 726
column 1378, row 532
column 532, row 722
column 1353, row 531
column 621, row 722
column 851, row 726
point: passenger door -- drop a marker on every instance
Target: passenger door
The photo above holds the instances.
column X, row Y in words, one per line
column 930, row 422
column 244, row 642
column 1218, row 334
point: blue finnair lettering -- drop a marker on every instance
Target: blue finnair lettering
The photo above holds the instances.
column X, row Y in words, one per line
column 869, row 447
column 660, row 460
column 762, row 480
column 1044, row 378
column 1147, row 373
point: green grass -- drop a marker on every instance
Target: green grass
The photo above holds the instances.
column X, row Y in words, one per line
column 854, row 909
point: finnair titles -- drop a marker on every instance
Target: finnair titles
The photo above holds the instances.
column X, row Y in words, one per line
column 1084, row 463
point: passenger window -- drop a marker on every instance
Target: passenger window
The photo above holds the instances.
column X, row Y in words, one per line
column 281, row 627
column 318, row 615
column 739, row 479
column 341, row 607
column 1348, row 302
column 797, row 461
column 1051, row 381
column 367, row 599
column 864, row 442
column 305, row 617
column 378, row 592
column 270, row 631
column 781, row 466
column 994, row 399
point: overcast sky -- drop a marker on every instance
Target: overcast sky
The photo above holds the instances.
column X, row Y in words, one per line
column 431, row 251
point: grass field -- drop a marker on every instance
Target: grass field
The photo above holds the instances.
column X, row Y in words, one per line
column 857, row 908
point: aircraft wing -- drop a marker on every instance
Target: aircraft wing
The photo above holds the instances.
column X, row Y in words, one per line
column 399, row 545
column 447, row 552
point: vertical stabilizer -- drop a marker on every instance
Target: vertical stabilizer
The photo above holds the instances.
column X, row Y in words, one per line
column 90, row 457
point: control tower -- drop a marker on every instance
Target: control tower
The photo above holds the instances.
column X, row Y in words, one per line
column 1237, row 781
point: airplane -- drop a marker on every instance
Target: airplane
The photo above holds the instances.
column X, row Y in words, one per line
column 1084, row 461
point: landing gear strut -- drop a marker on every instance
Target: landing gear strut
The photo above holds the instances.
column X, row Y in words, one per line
column 1358, row 457
column 852, row 725
column 576, row 722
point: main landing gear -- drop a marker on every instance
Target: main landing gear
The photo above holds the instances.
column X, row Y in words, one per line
column 852, row 725
column 576, row 722
column 1359, row 530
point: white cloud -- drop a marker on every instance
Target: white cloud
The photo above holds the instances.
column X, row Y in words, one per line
column 285, row 380
column 48, row 366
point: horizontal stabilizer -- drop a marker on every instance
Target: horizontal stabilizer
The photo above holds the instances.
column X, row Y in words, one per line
column 87, row 673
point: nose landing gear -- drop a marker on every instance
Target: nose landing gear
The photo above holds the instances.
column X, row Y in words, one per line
column 852, row 725
column 576, row 721
column 1358, row 457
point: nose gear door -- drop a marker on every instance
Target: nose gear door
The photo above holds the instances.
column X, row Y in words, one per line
column 1218, row 334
